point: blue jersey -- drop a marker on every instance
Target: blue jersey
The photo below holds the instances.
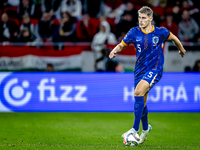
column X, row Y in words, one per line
column 149, row 49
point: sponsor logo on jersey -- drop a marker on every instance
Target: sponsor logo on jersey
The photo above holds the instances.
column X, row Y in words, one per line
column 138, row 38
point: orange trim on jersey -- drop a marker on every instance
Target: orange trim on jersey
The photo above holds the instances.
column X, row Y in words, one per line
column 152, row 82
column 169, row 35
column 124, row 43
column 162, row 45
column 150, row 31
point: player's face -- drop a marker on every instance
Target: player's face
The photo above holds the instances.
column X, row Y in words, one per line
column 144, row 20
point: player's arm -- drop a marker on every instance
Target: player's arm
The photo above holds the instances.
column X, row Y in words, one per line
column 178, row 44
column 116, row 50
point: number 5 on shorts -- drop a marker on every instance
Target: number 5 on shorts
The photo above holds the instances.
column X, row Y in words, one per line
column 150, row 74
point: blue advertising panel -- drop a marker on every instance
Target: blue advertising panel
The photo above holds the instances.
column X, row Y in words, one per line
column 95, row 92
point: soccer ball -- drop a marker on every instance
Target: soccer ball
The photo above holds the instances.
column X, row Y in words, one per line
column 131, row 139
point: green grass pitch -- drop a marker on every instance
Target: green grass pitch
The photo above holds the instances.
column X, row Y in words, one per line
column 95, row 131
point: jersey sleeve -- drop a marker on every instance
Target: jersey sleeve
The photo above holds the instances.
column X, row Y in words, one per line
column 128, row 39
column 166, row 33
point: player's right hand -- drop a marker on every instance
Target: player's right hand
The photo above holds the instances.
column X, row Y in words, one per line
column 112, row 54
column 182, row 52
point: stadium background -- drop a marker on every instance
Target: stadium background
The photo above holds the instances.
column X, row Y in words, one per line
column 54, row 58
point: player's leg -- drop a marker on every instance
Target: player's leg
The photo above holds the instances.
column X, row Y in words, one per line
column 152, row 80
column 146, row 127
column 140, row 91
column 144, row 117
column 145, row 99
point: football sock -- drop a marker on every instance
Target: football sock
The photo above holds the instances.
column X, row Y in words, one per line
column 144, row 118
column 138, row 109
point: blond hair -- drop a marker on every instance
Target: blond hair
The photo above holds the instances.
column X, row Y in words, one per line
column 146, row 10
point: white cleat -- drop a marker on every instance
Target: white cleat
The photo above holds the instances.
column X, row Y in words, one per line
column 133, row 140
column 129, row 131
column 143, row 136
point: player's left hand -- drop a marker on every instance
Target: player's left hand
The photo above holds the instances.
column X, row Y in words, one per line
column 182, row 52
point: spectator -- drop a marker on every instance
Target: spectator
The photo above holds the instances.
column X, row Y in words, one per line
column 128, row 19
column 188, row 28
column 158, row 7
column 54, row 27
column 92, row 7
column 47, row 30
column 87, row 28
column 107, row 63
column 25, row 35
column 28, row 25
column 186, row 5
column 52, row 6
column 196, row 66
column 68, row 27
column 74, row 7
column 170, row 24
column 26, row 6
column 187, row 69
column 193, row 10
column 125, row 24
column 49, row 67
column 44, row 29
column 113, row 9
column 8, row 29
column 103, row 36
column 176, row 9
column 130, row 9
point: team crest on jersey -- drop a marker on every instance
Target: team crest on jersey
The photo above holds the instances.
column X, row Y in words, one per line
column 155, row 40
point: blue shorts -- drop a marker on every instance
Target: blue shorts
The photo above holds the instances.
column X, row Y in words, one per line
column 152, row 77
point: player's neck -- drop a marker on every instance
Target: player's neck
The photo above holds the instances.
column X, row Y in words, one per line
column 148, row 28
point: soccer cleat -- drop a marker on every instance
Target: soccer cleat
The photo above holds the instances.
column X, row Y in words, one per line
column 143, row 136
column 131, row 138
column 129, row 131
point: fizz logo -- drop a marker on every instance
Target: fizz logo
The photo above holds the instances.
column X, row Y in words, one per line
column 17, row 92
column 67, row 92
column 14, row 93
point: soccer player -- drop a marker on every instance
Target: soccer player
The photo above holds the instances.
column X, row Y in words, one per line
column 148, row 41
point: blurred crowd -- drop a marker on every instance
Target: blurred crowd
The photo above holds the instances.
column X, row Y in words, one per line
column 96, row 21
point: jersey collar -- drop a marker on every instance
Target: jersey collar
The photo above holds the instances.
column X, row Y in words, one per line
column 148, row 32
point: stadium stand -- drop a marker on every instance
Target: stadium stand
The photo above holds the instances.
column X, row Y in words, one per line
column 77, row 21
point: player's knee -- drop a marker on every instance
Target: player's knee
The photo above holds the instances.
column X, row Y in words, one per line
column 138, row 92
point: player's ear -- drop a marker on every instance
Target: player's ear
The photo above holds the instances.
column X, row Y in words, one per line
column 151, row 18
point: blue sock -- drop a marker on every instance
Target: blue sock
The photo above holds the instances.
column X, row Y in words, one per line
column 138, row 109
column 144, row 118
